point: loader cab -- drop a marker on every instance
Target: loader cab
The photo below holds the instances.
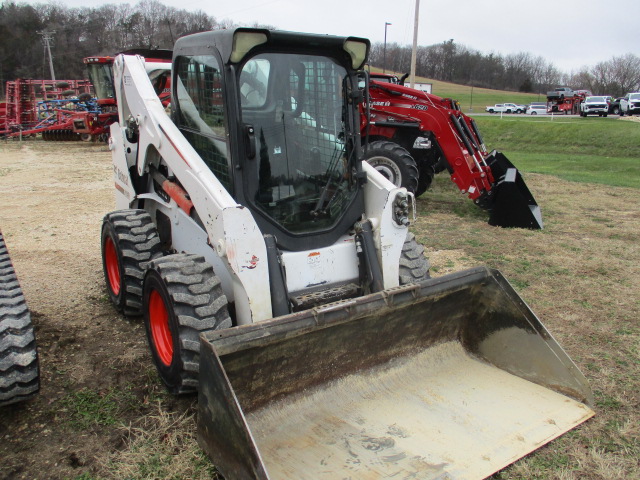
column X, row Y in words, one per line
column 274, row 115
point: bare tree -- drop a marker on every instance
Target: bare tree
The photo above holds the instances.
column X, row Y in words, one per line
column 626, row 73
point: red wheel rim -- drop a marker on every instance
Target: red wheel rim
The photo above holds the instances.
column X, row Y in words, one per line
column 160, row 332
column 111, row 264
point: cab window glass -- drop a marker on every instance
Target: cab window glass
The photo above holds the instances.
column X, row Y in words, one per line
column 200, row 112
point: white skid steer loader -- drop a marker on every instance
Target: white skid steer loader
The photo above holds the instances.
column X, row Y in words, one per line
column 277, row 276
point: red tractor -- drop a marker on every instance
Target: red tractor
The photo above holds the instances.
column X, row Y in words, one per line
column 411, row 135
column 100, row 71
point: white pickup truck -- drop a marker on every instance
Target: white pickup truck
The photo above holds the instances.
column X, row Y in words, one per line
column 560, row 93
column 505, row 108
column 630, row 104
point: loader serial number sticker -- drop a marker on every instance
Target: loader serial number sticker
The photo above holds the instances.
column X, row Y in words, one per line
column 127, row 80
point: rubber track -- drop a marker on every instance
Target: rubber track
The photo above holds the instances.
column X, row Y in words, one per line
column 427, row 172
column 139, row 243
column 414, row 266
column 199, row 305
column 19, row 374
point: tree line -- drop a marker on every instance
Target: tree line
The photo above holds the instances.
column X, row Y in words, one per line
column 523, row 72
column 86, row 31
column 110, row 28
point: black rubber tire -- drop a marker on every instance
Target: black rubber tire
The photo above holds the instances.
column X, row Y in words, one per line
column 129, row 241
column 84, row 97
column 182, row 298
column 615, row 111
column 427, row 172
column 414, row 266
column 19, row 371
column 394, row 162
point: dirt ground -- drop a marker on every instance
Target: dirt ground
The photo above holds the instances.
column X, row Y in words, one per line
column 54, row 197
column 102, row 413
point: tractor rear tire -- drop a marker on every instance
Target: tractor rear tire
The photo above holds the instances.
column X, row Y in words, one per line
column 130, row 240
column 393, row 162
column 427, row 172
column 182, row 298
column 414, row 266
column 19, row 371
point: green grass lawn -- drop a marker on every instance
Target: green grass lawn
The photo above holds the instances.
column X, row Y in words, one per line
column 595, row 150
column 475, row 99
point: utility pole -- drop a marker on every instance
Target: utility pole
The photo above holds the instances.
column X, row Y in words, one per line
column 47, row 39
column 384, row 58
column 414, row 50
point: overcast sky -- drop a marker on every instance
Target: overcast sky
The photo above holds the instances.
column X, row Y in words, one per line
column 569, row 33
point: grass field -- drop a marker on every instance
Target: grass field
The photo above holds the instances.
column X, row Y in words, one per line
column 579, row 275
column 476, row 99
column 598, row 150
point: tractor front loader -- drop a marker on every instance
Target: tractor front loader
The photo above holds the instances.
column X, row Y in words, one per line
column 277, row 277
column 411, row 135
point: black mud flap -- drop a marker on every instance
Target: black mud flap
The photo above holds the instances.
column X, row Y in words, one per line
column 512, row 204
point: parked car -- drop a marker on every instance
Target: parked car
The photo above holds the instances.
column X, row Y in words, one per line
column 500, row 108
column 614, row 106
column 537, row 109
column 582, row 93
column 594, row 105
column 630, row 104
column 515, row 108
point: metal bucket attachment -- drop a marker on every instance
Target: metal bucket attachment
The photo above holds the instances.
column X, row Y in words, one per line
column 513, row 204
column 455, row 378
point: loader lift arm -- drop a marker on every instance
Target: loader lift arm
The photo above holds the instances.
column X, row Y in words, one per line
column 439, row 136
